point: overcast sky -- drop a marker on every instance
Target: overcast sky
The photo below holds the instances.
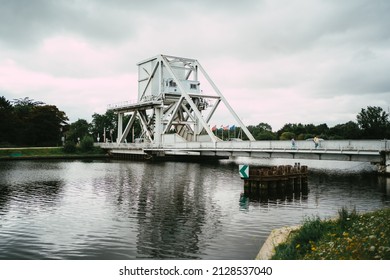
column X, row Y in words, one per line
column 276, row 61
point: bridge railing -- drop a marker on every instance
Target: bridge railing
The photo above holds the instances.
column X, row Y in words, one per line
column 339, row 145
column 356, row 145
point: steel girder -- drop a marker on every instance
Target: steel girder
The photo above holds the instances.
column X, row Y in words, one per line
column 170, row 101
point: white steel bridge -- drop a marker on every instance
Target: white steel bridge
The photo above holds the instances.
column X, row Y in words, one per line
column 373, row 151
column 176, row 101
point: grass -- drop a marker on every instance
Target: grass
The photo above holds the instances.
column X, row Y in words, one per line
column 46, row 152
column 352, row 236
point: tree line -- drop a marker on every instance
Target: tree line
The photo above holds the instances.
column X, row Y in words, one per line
column 25, row 122
column 371, row 123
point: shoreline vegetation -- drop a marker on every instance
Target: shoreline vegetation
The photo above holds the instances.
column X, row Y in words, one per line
column 351, row 236
column 50, row 153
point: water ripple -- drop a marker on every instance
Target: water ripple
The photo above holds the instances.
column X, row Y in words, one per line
column 168, row 210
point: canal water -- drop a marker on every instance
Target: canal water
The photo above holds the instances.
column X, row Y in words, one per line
column 161, row 210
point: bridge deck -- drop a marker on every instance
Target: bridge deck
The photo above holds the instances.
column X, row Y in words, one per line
column 344, row 150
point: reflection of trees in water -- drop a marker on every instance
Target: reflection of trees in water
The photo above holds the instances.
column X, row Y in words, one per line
column 30, row 195
column 349, row 189
column 355, row 184
column 30, row 185
column 5, row 196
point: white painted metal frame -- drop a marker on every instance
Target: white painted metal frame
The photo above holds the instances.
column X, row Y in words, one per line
column 176, row 110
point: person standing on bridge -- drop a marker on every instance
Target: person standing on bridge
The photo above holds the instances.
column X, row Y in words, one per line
column 293, row 143
column 316, row 142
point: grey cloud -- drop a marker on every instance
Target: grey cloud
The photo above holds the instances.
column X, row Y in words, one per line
column 26, row 22
column 318, row 48
column 363, row 78
column 298, row 26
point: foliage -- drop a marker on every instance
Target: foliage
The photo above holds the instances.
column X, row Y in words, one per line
column 7, row 126
column 77, row 130
column 302, row 132
column 352, row 236
column 374, row 122
column 349, row 130
column 301, row 242
column 287, row 136
column 262, row 131
column 346, row 218
column 25, row 122
column 86, row 143
column 107, row 125
column 69, row 147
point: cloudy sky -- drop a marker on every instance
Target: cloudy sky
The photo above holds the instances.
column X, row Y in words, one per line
column 276, row 61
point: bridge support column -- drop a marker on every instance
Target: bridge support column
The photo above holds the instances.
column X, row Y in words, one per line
column 120, row 127
column 384, row 166
column 158, row 126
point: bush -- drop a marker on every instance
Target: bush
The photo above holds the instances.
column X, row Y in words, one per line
column 86, row 144
column 287, row 136
column 347, row 218
column 303, row 241
column 351, row 237
column 69, row 147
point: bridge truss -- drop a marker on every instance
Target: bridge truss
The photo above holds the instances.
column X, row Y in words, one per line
column 171, row 106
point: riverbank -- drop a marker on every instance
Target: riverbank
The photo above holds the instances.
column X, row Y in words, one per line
column 351, row 236
column 25, row 153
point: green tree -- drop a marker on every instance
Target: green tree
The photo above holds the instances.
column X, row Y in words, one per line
column 24, row 134
column 69, row 147
column 108, row 122
column 77, row 131
column 374, row 122
column 46, row 122
column 37, row 124
column 86, row 143
column 321, row 130
column 296, row 129
column 262, row 131
column 7, row 129
column 105, row 124
column 5, row 104
column 287, row 136
column 302, row 131
column 349, row 130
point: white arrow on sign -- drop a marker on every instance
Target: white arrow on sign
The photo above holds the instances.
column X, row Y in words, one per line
column 244, row 171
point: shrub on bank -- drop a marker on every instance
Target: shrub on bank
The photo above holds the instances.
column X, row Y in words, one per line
column 352, row 236
column 86, row 144
column 69, row 147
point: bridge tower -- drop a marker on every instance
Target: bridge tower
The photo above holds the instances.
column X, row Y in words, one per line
column 171, row 106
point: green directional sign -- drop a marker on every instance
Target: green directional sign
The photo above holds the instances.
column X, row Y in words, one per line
column 244, row 171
